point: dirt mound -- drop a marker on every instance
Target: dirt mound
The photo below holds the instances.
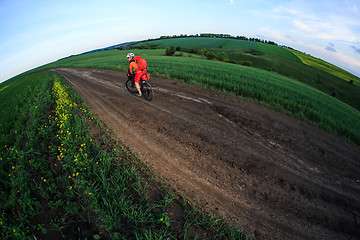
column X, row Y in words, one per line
column 274, row 175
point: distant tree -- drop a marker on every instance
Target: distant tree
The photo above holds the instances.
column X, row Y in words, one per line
column 210, row 55
column 194, row 50
column 170, row 50
column 148, row 46
column 222, row 57
column 247, row 63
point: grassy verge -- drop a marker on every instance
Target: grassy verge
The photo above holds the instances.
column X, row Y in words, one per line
column 63, row 176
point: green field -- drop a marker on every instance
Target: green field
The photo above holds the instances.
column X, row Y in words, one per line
column 278, row 51
column 61, row 169
column 303, row 68
column 228, row 45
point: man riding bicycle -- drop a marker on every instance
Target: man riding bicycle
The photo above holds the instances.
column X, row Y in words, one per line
column 135, row 69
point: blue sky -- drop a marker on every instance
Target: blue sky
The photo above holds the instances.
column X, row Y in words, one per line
column 36, row 32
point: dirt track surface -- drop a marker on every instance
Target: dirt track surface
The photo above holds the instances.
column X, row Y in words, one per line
column 275, row 176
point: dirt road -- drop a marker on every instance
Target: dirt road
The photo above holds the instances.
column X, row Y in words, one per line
column 272, row 174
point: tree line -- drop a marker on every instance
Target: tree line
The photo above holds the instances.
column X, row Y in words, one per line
column 215, row 35
column 211, row 35
column 210, row 55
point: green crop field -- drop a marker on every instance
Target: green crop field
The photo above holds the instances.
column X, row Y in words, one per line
column 279, row 51
column 61, row 170
column 227, row 45
column 301, row 67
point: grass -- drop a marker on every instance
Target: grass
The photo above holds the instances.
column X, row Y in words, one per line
column 279, row 51
column 227, row 45
column 301, row 67
column 64, row 176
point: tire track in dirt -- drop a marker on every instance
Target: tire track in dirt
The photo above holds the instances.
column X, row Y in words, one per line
column 272, row 174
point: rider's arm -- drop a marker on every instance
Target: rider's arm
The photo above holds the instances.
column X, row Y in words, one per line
column 132, row 67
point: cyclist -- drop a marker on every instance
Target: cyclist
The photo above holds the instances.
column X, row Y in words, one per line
column 134, row 69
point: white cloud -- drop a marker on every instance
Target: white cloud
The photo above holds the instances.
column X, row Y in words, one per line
column 334, row 24
column 277, row 36
column 302, row 26
column 281, row 9
column 232, row 1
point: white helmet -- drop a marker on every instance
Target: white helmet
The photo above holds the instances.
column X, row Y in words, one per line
column 130, row 55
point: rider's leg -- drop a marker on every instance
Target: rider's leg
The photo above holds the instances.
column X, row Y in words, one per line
column 137, row 80
column 137, row 85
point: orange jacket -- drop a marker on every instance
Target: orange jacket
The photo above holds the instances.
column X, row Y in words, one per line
column 133, row 67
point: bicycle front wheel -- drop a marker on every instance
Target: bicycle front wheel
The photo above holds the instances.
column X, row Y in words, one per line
column 130, row 85
column 147, row 91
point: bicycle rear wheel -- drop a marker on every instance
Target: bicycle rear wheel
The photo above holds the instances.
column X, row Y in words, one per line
column 147, row 91
column 130, row 85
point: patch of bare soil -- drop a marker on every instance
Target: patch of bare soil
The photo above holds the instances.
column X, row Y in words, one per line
column 275, row 176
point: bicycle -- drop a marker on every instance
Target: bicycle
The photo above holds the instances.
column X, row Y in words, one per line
column 145, row 87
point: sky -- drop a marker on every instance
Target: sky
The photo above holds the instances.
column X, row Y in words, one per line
column 36, row 32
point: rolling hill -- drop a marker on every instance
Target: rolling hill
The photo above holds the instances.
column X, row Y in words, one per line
column 312, row 71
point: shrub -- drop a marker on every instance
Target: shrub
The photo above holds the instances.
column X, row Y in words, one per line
column 222, row 57
column 194, row 50
column 210, row 55
column 247, row 63
column 170, row 50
